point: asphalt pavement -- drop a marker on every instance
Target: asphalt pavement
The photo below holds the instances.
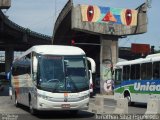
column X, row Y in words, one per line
column 8, row 111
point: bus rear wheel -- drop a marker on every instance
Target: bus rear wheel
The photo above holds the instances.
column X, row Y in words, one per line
column 127, row 95
column 129, row 100
column 16, row 101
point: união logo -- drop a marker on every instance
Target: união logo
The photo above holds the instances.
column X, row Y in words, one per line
column 146, row 87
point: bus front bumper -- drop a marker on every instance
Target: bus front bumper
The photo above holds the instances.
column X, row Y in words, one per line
column 43, row 104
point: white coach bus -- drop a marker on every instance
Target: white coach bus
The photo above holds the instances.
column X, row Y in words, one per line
column 52, row 77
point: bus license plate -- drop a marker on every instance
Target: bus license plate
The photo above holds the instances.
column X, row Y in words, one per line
column 65, row 105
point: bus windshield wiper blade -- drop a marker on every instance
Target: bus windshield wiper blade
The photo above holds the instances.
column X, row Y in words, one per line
column 55, row 87
column 73, row 83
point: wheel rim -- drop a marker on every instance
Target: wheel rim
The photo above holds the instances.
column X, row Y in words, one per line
column 129, row 98
column 30, row 107
column 16, row 102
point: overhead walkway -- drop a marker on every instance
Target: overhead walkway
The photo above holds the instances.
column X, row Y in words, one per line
column 97, row 29
column 16, row 38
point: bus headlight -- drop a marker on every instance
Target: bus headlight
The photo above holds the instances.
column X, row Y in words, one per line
column 43, row 96
column 84, row 97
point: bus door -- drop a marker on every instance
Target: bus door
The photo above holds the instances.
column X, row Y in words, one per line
column 118, row 77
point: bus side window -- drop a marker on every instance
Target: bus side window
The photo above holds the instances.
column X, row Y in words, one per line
column 126, row 72
column 149, row 71
column 135, row 72
column 118, row 76
column 28, row 64
column 146, row 71
column 156, row 70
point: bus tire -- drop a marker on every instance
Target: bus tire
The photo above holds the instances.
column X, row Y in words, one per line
column 129, row 100
column 31, row 109
column 127, row 95
column 16, row 101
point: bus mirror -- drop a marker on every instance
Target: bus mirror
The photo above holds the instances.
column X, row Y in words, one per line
column 90, row 74
column 35, row 64
column 93, row 64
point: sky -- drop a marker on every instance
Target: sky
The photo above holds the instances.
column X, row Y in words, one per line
column 40, row 15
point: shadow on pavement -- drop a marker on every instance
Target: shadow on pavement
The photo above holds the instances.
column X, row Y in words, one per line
column 140, row 105
column 59, row 114
column 64, row 115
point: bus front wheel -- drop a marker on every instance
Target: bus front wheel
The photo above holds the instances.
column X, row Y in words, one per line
column 31, row 109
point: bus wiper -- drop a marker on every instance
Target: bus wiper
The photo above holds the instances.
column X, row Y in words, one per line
column 55, row 87
column 73, row 82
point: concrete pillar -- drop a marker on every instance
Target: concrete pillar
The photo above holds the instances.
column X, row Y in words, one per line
column 9, row 55
column 108, row 58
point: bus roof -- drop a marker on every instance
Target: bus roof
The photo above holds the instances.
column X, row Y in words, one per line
column 149, row 58
column 154, row 55
column 129, row 62
column 55, row 50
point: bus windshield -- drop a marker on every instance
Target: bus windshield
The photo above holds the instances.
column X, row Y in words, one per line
column 62, row 73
